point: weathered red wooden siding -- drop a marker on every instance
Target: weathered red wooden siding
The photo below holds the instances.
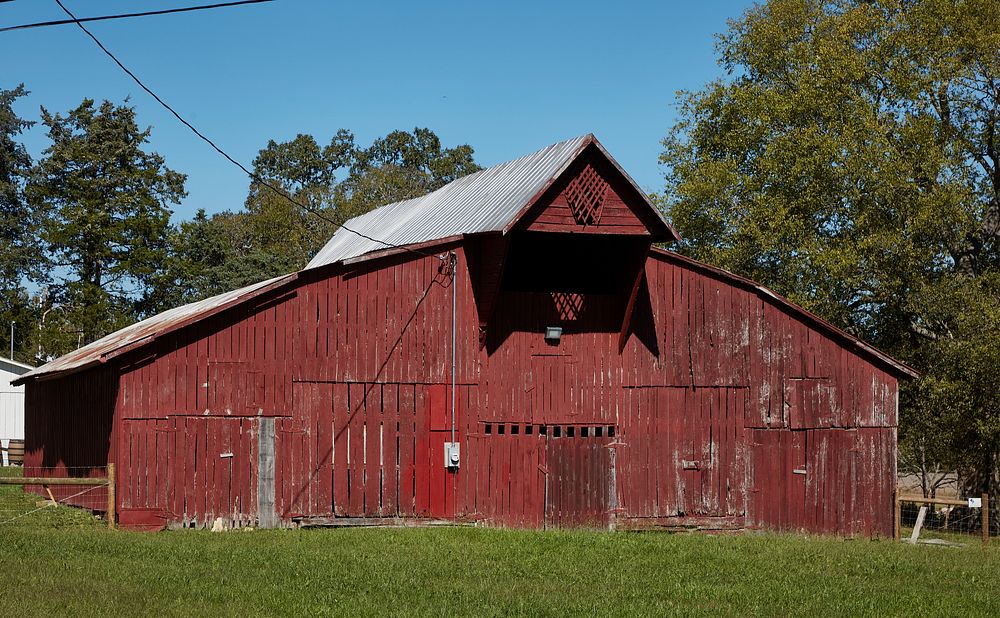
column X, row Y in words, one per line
column 723, row 408
column 69, row 432
column 803, row 428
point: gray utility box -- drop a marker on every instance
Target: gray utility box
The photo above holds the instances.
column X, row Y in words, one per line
column 451, row 455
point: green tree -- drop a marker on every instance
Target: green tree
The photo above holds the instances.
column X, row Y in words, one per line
column 274, row 235
column 20, row 258
column 102, row 202
column 850, row 160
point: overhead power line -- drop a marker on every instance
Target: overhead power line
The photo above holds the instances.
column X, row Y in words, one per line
column 253, row 176
column 62, row 22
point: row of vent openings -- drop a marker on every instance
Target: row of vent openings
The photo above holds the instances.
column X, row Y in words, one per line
column 555, row 431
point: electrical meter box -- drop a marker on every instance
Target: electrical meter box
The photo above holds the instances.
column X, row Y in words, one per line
column 451, row 455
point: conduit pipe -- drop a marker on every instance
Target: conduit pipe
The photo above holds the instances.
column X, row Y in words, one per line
column 454, row 334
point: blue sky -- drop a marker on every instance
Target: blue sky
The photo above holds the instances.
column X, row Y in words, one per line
column 506, row 77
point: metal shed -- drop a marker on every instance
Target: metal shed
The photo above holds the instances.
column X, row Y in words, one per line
column 517, row 353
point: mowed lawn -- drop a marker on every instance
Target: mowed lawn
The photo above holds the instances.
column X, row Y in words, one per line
column 78, row 567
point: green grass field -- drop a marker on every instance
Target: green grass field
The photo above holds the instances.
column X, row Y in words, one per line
column 75, row 566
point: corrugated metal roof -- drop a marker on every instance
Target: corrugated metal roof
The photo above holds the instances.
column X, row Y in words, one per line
column 489, row 200
column 149, row 328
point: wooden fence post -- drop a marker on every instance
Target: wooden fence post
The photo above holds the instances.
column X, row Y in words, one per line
column 111, row 496
column 897, row 523
column 986, row 519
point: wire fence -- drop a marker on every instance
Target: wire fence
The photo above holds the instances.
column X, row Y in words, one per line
column 61, row 497
column 945, row 521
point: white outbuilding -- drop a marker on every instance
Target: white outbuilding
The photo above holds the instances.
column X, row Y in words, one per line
column 11, row 404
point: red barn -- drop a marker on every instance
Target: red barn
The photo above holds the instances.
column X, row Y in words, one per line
column 521, row 314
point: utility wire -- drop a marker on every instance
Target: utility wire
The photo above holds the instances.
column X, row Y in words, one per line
column 62, row 22
column 253, row 176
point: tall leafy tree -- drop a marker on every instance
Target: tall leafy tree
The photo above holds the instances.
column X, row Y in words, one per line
column 102, row 199
column 275, row 235
column 20, row 259
column 850, row 160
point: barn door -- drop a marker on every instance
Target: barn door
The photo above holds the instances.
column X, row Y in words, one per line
column 303, row 466
column 778, row 480
column 579, row 477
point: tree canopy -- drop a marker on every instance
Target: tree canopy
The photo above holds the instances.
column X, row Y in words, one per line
column 850, row 161
column 101, row 201
column 274, row 234
column 20, row 258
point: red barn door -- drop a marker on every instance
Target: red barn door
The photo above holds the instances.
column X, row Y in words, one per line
column 579, row 479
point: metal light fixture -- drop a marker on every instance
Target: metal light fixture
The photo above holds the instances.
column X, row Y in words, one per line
column 553, row 334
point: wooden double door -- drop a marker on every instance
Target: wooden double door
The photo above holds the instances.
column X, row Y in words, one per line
column 530, row 475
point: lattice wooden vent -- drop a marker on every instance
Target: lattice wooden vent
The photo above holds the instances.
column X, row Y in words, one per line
column 585, row 196
column 568, row 305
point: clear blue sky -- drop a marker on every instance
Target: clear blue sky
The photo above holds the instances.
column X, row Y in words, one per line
column 505, row 77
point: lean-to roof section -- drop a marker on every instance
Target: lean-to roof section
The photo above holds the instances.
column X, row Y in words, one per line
column 849, row 341
column 149, row 329
column 490, row 200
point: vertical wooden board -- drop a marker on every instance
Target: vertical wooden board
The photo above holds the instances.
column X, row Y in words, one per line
column 516, row 510
column 438, row 407
column 248, row 437
column 282, row 459
column 225, row 465
column 159, row 464
column 407, row 438
column 140, row 433
column 464, row 487
column 484, row 501
column 390, row 449
column 357, row 450
column 422, row 448
column 496, row 493
column 797, row 491
column 647, row 418
column 740, row 437
column 341, row 429
column 213, row 499
column 237, row 469
column 535, row 488
column 322, row 450
column 504, row 480
column 373, row 449
column 668, row 403
column 176, row 486
column 203, row 473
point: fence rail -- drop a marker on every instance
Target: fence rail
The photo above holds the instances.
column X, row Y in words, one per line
column 984, row 508
column 52, row 481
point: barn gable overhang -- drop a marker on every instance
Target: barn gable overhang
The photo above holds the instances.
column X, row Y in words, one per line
column 141, row 334
column 845, row 339
column 570, row 189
